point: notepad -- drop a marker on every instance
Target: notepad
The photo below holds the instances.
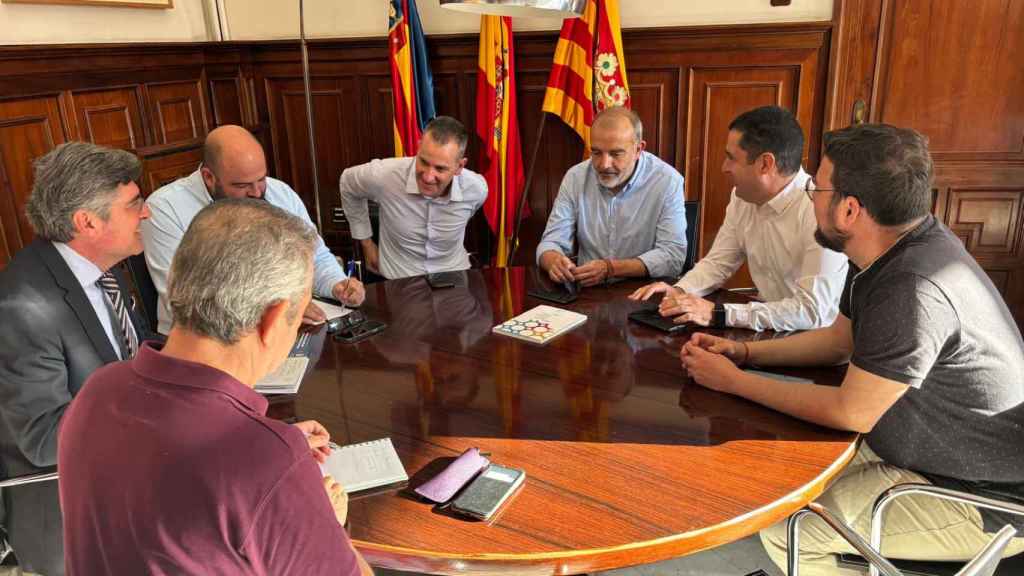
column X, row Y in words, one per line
column 365, row 465
column 332, row 310
column 540, row 324
column 286, row 379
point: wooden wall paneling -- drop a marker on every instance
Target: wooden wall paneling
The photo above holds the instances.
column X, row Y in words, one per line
column 227, row 95
column 965, row 57
column 336, row 107
column 654, row 94
column 29, row 128
column 717, row 96
column 178, row 110
column 109, row 116
column 162, row 165
column 852, row 60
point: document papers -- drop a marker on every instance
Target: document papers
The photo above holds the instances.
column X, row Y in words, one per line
column 286, row 379
column 366, row 465
column 540, row 324
column 332, row 310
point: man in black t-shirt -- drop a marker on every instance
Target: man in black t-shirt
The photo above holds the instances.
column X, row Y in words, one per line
column 936, row 374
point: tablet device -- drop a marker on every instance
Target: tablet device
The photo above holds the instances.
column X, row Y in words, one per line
column 568, row 293
column 651, row 317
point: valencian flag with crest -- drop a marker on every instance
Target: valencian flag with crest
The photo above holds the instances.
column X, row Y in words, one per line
column 497, row 124
column 412, row 84
column 589, row 70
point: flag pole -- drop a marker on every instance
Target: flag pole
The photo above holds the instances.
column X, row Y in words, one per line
column 526, row 189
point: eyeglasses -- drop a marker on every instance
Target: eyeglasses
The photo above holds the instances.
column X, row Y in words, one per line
column 811, row 187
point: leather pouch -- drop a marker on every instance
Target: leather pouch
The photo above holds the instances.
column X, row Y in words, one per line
column 448, row 482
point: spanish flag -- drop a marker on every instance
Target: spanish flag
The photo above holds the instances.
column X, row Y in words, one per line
column 501, row 159
column 589, row 71
column 412, row 84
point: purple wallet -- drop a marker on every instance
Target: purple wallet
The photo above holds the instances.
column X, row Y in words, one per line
column 442, row 487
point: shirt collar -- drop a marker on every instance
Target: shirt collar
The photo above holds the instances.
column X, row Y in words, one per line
column 151, row 364
column 791, row 193
column 85, row 271
column 638, row 175
column 454, row 195
column 197, row 186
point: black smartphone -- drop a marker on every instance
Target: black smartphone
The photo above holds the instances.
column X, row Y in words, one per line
column 360, row 332
column 488, row 491
column 439, row 280
column 651, row 317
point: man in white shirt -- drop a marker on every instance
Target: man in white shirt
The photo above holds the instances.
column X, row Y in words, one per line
column 425, row 203
column 234, row 166
column 769, row 223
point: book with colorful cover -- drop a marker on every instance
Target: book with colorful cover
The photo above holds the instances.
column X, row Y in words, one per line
column 540, row 324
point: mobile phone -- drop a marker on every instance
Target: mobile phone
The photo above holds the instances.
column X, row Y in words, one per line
column 438, row 280
column 488, row 491
column 569, row 292
column 360, row 332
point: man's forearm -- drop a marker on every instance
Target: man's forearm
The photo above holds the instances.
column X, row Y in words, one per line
column 811, row 402
column 822, row 347
column 630, row 268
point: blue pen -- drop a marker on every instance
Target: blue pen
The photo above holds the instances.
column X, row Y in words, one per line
column 351, row 268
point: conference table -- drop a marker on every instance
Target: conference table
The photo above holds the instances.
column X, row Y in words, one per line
column 627, row 461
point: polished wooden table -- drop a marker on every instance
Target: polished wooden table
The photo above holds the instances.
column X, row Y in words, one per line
column 627, row 462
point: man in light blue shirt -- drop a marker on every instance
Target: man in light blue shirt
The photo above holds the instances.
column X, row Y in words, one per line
column 623, row 208
column 425, row 203
column 234, row 166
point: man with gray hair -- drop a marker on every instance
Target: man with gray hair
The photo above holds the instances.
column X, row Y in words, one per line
column 63, row 314
column 206, row 483
column 623, row 209
column 425, row 203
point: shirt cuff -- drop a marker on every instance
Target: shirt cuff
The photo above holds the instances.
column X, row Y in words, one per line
column 737, row 315
column 544, row 247
column 325, row 282
column 360, row 230
column 656, row 264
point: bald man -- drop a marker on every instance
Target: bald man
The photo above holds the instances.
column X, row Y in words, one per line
column 234, row 166
column 622, row 210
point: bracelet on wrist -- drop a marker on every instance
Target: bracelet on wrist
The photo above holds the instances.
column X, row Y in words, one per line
column 746, row 353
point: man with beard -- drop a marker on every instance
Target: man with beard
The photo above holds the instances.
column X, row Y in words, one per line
column 935, row 362
column 623, row 209
column 234, row 166
column 769, row 223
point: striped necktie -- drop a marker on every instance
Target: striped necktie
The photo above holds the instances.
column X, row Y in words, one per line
column 123, row 330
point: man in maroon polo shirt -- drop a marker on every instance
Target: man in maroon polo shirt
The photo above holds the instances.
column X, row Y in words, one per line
column 168, row 463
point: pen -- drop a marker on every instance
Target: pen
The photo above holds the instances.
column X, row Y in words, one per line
column 351, row 267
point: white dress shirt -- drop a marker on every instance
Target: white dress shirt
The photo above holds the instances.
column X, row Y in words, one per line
column 172, row 209
column 418, row 235
column 87, row 274
column 799, row 281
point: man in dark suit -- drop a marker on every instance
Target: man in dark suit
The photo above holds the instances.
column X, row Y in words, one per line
column 64, row 312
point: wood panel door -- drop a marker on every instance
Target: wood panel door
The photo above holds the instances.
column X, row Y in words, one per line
column 110, row 117
column 339, row 113
column 717, row 96
column 29, row 128
column 952, row 71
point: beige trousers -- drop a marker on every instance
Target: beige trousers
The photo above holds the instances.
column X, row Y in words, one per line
column 916, row 527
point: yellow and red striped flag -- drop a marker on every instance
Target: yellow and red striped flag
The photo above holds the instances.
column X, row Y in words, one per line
column 589, row 70
column 412, row 84
column 497, row 124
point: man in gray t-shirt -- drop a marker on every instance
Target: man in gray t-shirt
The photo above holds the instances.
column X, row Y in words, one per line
column 936, row 373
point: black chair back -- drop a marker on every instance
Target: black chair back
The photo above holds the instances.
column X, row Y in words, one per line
column 692, row 224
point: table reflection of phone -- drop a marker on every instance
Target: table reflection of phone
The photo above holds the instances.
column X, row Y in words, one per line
column 438, row 280
column 488, row 491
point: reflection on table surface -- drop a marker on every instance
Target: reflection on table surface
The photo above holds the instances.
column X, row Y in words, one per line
column 627, row 462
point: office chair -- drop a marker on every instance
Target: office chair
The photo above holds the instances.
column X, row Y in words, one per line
column 692, row 223
column 933, row 568
column 983, row 564
column 5, row 548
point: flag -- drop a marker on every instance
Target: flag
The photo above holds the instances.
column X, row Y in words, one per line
column 589, row 70
column 412, row 84
column 497, row 124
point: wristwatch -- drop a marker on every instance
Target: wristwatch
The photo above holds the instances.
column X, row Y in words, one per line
column 718, row 316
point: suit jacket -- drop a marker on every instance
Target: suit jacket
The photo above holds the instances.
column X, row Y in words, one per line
column 50, row 341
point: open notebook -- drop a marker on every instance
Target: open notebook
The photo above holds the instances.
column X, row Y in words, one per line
column 365, row 465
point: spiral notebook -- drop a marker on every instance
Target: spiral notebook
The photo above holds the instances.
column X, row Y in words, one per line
column 365, row 465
